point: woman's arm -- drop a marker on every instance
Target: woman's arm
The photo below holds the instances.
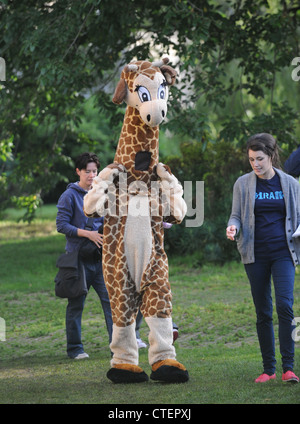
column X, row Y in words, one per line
column 234, row 222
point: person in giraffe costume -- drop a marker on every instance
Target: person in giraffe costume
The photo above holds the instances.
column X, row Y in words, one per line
column 136, row 194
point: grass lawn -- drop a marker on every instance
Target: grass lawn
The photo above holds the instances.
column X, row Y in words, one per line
column 211, row 305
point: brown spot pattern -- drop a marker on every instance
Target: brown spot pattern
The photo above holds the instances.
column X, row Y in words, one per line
column 155, row 297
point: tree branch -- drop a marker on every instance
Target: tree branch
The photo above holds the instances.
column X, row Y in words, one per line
column 80, row 29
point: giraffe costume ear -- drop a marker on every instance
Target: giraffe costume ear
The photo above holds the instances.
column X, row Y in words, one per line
column 121, row 89
column 169, row 73
column 120, row 92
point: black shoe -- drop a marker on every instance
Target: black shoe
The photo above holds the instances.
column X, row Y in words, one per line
column 119, row 376
column 170, row 374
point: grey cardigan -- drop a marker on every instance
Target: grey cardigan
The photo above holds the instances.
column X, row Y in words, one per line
column 242, row 214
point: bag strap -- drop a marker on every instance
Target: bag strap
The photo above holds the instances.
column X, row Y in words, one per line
column 89, row 224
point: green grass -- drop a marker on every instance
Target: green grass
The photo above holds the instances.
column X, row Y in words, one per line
column 212, row 306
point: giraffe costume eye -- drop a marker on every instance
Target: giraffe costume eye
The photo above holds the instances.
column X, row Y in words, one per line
column 162, row 91
column 143, row 93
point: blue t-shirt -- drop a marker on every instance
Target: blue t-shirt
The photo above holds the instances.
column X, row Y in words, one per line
column 270, row 214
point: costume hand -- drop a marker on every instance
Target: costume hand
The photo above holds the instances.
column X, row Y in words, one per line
column 231, row 232
column 112, row 171
column 164, row 172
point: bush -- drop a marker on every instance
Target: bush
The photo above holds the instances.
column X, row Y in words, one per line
column 218, row 165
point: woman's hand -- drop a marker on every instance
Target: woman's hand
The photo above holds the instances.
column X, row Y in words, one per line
column 96, row 237
column 231, row 232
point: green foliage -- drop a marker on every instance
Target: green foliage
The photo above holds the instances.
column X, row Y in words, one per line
column 64, row 59
column 219, row 165
column 29, row 203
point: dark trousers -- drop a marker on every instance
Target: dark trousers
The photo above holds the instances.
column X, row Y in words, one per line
column 94, row 277
column 282, row 271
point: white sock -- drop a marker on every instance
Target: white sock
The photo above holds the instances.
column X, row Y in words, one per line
column 124, row 345
column 160, row 339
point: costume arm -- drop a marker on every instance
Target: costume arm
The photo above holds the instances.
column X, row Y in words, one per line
column 172, row 191
column 95, row 201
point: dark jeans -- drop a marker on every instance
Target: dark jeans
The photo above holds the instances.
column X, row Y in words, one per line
column 259, row 273
column 94, row 277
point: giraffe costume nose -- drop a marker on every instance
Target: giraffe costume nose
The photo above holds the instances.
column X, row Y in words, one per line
column 162, row 114
column 153, row 112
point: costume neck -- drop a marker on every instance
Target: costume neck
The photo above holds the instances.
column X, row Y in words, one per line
column 138, row 144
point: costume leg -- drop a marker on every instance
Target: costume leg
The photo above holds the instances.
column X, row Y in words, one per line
column 124, row 345
column 124, row 307
column 156, row 308
column 160, row 339
column 125, row 356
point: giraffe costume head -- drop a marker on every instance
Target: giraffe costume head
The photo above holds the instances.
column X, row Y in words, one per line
column 143, row 86
column 135, row 265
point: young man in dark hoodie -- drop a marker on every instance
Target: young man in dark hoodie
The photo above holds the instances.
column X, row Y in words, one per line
column 292, row 164
column 71, row 221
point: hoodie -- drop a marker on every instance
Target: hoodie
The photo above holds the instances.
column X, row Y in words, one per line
column 292, row 164
column 70, row 216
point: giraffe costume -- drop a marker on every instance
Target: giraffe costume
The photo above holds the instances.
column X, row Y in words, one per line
column 135, row 195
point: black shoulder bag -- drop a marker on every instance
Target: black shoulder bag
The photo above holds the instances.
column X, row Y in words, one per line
column 89, row 251
column 70, row 281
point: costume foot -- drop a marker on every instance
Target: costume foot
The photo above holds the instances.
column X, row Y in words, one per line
column 169, row 371
column 127, row 373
